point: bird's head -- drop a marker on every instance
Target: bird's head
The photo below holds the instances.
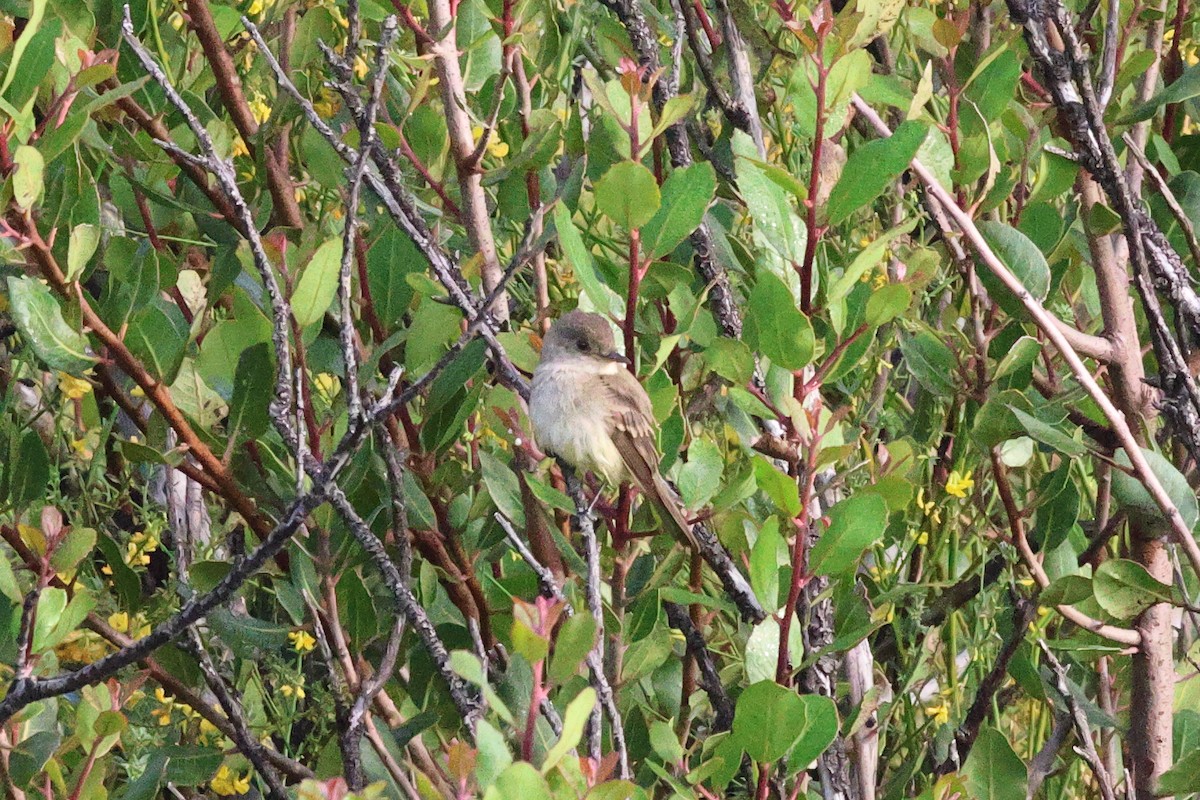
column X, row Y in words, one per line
column 579, row 335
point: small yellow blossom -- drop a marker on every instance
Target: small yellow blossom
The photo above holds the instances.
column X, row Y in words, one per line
column 864, row 242
column 939, row 711
column 327, row 103
column 120, row 622
column 227, row 782
column 880, row 280
column 175, row 20
column 497, row 148
column 301, row 194
column 163, row 712
column 293, row 689
column 72, row 387
column 137, row 391
column 302, row 641
column 923, row 538
column 360, row 67
column 80, row 446
column 959, row 484
column 238, row 148
column 260, row 109
column 328, row 385
column 928, row 507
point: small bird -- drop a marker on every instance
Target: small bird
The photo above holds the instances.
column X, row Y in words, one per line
column 589, row 410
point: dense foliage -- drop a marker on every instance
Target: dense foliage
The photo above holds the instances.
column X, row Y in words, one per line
column 910, row 288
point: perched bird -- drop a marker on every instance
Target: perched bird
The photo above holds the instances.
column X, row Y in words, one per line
column 590, row 411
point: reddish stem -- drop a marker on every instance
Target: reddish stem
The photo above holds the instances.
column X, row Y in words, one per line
column 814, row 183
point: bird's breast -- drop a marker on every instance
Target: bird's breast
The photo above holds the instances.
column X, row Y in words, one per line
column 568, row 408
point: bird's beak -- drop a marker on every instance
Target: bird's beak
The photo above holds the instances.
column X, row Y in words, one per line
column 615, row 356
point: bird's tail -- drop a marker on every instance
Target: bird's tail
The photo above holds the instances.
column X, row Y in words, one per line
column 670, row 508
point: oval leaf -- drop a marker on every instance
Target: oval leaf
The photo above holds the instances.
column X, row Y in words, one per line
column 628, row 194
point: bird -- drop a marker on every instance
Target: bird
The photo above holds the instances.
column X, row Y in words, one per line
column 588, row 409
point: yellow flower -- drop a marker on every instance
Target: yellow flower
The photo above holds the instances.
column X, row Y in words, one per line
column 239, row 148
column 880, row 280
column 227, row 782
column 120, row 622
column 137, row 391
column 72, row 387
column 923, row 538
column 327, row 103
column 939, row 711
column 497, row 148
column 163, row 713
column 959, row 484
column 301, row 194
column 328, row 385
column 260, row 109
column 360, row 67
column 176, row 20
column 302, row 641
column 293, row 689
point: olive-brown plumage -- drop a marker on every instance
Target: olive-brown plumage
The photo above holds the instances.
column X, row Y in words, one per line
column 589, row 410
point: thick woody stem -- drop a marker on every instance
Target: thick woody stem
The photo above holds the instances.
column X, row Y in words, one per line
column 462, row 147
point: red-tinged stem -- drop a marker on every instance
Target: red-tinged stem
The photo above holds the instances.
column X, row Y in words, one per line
column 832, row 358
column 763, row 791
column 438, row 187
column 636, row 273
column 1173, row 67
column 714, row 38
column 800, row 576
column 535, row 704
column 1032, row 84
column 814, row 184
column 87, row 770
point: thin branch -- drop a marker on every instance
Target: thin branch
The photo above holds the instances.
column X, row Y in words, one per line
column 1079, row 718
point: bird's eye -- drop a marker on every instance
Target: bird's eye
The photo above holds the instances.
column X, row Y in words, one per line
column 582, row 345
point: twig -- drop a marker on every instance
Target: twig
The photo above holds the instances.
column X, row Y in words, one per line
column 464, row 698
column 1082, row 732
column 1185, row 222
column 710, row 678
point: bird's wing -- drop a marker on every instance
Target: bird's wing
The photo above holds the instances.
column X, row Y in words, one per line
column 631, row 427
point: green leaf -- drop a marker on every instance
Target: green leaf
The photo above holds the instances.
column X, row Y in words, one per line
column 700, row 476
column 1185, row 87
column 762, row 648
column 778, row 486
column 665, row 743
column 72, row 549
column 574, row 721
column 583, row 264
column 770, row 720
column 503, row 486
column 628, row 195
column 37, row 10
column 1132, row 496
column 27, row 179
column 494, row 756
column 686, row 196
column 1125, row 589
column 318, row 283
column 854, row 525
column 1023, row 259
column 191, row 765
column 930, row 362
column 775, row 327
column 518, row 782
column 1049, row 435
column 776, row 224
column 389, row 262
column 993, row 771
column 85, row 238
column 50, row 607
column 575, row 638
column 158, row 336
column 871, row 168
column 887, row 303
column 1183, row 778
column 40, row 320
column 766, row 557
column 252, row 392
